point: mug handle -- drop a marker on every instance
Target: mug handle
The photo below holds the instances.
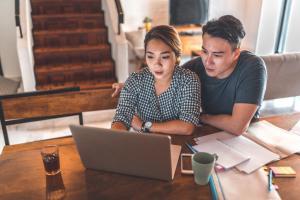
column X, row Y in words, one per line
column 186, row 171
column 215, row 156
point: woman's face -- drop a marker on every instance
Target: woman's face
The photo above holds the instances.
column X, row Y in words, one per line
column 160, row 59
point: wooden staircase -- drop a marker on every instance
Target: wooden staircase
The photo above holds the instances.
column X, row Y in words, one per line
column 70, row 44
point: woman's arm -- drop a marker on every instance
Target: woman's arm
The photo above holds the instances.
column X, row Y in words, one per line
column 127, row 103
column 118, row 126
column 176, row 127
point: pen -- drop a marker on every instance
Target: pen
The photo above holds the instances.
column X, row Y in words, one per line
column 270, row 178
column 213, row 188
column 191, row 147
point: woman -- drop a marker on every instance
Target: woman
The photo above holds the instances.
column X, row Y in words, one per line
column 162, row 97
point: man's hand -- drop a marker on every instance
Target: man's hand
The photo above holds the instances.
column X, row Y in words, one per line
column 118, row 87
column 136, row 123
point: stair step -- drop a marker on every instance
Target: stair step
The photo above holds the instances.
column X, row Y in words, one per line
column 46, row 32
column 84, row 85
column 70, row 38
column 73, row 73
column 68, row 21
column 80, row 54
column 71, row 45
column 75, row 67
column 40, row 7
column 71, row 49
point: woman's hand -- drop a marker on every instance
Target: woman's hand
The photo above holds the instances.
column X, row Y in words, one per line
column 136, row 123
column 118, row 87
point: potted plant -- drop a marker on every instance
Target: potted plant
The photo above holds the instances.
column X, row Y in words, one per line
column 147, row 23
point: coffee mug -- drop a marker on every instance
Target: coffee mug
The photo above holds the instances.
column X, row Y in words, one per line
column 202, row 165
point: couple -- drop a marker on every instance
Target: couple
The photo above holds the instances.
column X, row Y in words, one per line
column 165, row 98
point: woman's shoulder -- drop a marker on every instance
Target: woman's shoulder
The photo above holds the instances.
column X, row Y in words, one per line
column 139, row 75
column 186, row 75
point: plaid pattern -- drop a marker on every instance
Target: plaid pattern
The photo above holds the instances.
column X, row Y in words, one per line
column 180, row 101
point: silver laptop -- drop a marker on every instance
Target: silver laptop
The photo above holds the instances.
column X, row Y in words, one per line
column 146, row 155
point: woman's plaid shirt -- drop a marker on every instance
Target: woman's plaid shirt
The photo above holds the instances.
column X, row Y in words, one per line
column 182, row 100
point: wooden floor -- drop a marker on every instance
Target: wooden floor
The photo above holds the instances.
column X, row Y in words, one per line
column 33, row 131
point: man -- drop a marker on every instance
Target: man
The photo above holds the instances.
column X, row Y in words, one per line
column 233, row 82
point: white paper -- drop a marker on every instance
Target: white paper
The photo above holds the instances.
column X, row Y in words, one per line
column 237, row 185
column 258, row 155
column 296, row 128
column 279, row 140
column 227, row 157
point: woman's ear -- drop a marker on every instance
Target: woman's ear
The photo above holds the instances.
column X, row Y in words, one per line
column 178, row 59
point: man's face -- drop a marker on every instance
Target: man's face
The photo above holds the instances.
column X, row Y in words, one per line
column 218, row 57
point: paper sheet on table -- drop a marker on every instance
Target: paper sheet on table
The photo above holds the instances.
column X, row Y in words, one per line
column 258, row 154
column 236, row 185
column 296, row 128
column 227, row 157
column 276, row 139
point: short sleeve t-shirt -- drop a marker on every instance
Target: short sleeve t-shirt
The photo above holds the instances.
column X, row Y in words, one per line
column 246, row 84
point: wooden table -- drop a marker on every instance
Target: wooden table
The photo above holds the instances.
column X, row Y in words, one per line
column 22, row 174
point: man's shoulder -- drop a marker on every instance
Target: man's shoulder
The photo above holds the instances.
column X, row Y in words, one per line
column 192, row 63
column 186, row 74
column 247, row 57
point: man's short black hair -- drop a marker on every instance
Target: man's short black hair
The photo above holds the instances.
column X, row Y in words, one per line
column 226, row 27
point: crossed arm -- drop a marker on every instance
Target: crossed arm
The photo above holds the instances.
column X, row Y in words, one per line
column 177, row 127
column 237, row 123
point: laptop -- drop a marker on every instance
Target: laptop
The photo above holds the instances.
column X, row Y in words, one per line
column 131, row 153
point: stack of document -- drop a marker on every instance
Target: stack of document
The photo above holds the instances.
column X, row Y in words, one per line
column 278, row 140
column 227, row 156
column 256, row 155
column 260, row 145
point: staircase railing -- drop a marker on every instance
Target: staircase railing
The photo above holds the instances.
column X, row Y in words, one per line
column 114, row 18
column 17, row 17
column 120, row 15
column 25, row 44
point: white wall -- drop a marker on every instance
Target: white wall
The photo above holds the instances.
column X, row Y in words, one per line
column 248, row 11
column 293, row 33
column 8, row 46
column 268, row 27
column 136, row 10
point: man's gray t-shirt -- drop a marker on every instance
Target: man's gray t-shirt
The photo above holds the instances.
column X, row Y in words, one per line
column 246, row 84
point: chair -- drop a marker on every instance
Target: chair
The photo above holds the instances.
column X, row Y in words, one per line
column 136, row 49
column 283, row 75
column 42, row 105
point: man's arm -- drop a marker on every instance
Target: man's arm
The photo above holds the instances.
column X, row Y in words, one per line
column 118, row 87
column 237, row 123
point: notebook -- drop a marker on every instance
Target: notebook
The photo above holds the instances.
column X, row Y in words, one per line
column 145, row 155
column 283, row 171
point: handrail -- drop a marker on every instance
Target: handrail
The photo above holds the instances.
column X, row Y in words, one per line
column 120, row 15
column 17, row 17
